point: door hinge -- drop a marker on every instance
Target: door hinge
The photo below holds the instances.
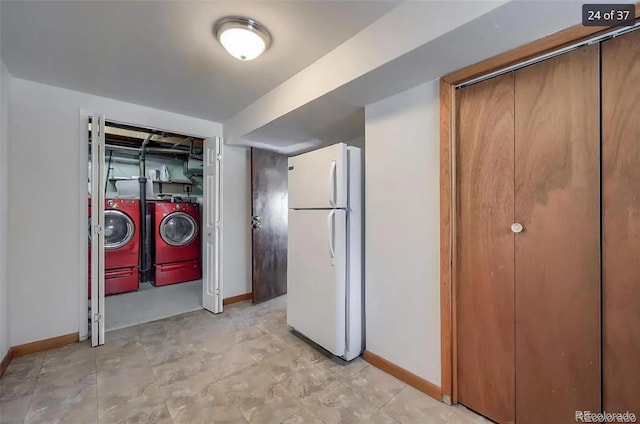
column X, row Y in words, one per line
column 217, row 292
column 218, row 224
column 98, row 229
column 97, row 317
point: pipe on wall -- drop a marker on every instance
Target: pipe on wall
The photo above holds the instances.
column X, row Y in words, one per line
column 130, row 161
column 123, row 148
column 167, row 151
column 164, row 150
column 143, row 168
column 144, row 258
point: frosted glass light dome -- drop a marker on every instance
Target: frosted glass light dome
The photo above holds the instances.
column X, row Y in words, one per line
column 243, row 38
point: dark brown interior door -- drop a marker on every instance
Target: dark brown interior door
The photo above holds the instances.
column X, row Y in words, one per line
column 269, row 222
column 557, row 266
column 621, row 222
column 485, row 316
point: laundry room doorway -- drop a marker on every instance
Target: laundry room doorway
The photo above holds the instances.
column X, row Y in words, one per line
column 154, row 213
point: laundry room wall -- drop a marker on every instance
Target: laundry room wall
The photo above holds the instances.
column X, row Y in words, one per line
column 45, row 203
column 402, row 230
column 4, row 139
column 122, row 166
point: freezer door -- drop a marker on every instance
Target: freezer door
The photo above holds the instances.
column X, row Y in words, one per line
column 316, row 277
column 318, row 179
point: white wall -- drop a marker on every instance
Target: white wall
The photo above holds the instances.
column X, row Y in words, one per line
column 237, row 262
column 406, row 27
column 402, row 230
column 4, row 114
column 46, row 204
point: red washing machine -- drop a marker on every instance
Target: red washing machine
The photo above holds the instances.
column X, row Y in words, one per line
column 177, row 242
column 121, row 245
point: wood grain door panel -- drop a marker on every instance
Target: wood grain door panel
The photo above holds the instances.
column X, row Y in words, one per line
column 557, row 268
column 485, row 243
column 621, row 222
column 269, row 234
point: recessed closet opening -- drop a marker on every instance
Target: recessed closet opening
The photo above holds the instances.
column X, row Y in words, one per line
column 544, row 225
column 151, row 186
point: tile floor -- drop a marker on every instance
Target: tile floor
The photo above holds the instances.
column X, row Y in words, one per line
column 243, row 366
column 151, row 303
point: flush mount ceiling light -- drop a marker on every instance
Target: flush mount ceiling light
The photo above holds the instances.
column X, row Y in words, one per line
column 243, row 38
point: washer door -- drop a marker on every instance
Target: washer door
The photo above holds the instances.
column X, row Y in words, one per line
column 178, row 229
column 118, row 229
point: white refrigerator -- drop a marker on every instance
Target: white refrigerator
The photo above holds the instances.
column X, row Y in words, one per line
column 324, row 259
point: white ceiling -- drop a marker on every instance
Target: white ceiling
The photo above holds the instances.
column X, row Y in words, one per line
column 330, row 117
column 162, row 53
column 326, row 120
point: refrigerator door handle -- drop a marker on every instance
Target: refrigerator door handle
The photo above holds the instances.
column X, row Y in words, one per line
column 332, row 182
column 330, row 226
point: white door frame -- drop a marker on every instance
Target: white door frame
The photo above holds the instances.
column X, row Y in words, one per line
column 97, row 234
column 211, row 226
column 83, row 233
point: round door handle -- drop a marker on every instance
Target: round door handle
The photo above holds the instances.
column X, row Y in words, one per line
column 516, row 227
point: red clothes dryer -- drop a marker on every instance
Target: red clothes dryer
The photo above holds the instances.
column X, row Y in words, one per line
column 121, row 245
column 177, row 242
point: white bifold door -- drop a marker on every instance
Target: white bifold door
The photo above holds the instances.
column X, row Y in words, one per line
column 316, row 276
column 318, row 179
column 97, row 233
column 212, row 225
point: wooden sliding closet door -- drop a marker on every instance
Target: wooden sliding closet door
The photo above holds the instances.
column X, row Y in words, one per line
column 485, row 317
column 621, row 222
column 557, row 266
